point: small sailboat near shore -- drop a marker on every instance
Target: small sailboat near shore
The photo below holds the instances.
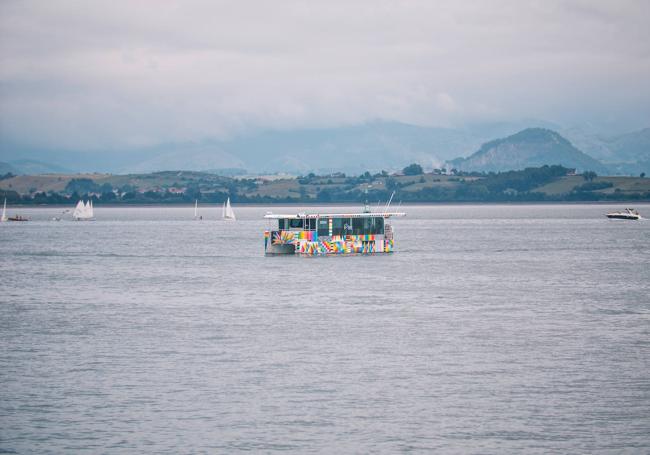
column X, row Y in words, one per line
column 84, row 211
column 196, row 211
column 227, row 213
column 5, row 218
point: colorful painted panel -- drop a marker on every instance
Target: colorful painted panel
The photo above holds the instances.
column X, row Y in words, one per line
column 361, row 238
column 283, row 237
column 307, row 242
column 343, row 247
column 312, row 236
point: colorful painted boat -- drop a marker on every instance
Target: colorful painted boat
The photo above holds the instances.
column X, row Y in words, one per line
column 330, row 233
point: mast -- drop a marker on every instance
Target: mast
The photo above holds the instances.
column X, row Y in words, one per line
column 4, row 212
column 389, row 201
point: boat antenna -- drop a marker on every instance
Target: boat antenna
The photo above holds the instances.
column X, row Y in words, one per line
column 366, row 206
column 389, row 201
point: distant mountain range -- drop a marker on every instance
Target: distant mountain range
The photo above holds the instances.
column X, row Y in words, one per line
column 622, row 154
column 30, row 167
column 373, row 146
column 532, row 147
column 353, row 149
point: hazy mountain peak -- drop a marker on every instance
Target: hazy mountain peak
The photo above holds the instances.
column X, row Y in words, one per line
column 530, row 147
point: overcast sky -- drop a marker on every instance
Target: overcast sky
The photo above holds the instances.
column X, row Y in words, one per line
column 98, row 75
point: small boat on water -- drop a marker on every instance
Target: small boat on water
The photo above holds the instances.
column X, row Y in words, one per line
column 84, row 211
column 227, row 213
column 627, row 214
column 4, row 218
column 196, row 211
column 60, row 217
column 17, row 218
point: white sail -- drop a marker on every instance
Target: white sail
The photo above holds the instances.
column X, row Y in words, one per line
column 196, row 209
column 228, row 213
column 83, row 211
column 78, row 210
column 4, row 212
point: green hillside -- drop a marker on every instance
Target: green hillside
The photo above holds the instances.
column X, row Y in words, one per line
column 546, row 183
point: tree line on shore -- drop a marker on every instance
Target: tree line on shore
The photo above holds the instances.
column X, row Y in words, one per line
column 510, row 186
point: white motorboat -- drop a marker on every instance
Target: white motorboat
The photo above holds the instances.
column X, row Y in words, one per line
column 627, row 214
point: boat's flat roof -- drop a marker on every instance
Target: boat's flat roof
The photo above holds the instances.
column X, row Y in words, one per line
column 297, row 216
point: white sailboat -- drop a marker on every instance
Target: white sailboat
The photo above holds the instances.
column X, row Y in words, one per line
column 78, row 210
column 228, row 213
column 196, row 210
column 83, row 211
column 4, row 212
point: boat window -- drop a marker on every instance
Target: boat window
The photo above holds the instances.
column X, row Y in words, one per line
column 295, row 224
column 357, row 226
column 341, row 226
column 311, row 224
column 282, row 224
column 323, row 227
column 379, row 225
column 373, row 225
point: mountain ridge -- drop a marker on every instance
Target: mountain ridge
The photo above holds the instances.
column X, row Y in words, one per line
column 531, row 147
column 373, row 146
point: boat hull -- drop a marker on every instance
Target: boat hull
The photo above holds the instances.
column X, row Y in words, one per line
column 273, row 250
column 622, row 217
column 301, row 243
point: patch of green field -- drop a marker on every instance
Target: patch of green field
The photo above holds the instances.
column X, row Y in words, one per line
column 565, row 185
column 26, row 184
column 626, row 184
column 278, row 188
column 432, row 180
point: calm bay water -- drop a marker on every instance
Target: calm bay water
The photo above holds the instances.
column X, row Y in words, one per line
column 492, row 329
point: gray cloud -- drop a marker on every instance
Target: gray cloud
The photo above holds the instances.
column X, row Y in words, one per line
column 91, row 75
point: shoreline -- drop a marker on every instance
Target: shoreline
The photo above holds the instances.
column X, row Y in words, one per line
column 341, row 204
